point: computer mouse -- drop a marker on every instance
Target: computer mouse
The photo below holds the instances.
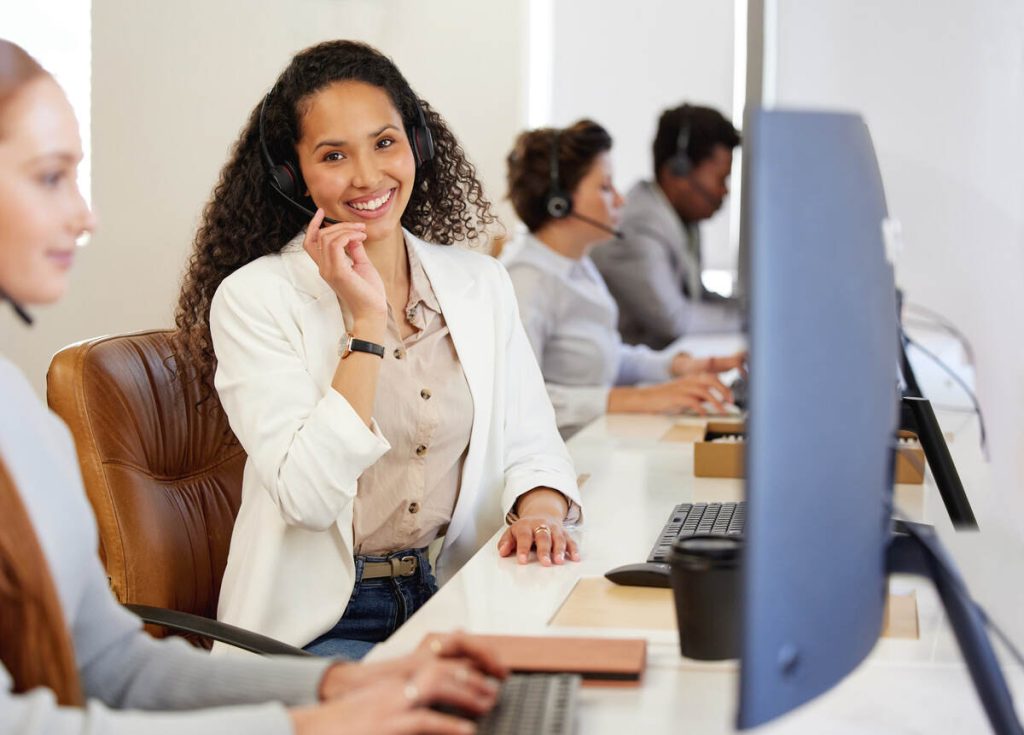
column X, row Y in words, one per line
column 647, row 574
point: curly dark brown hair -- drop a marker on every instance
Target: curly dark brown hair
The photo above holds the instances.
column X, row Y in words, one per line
column 245, row 219
column 529, row 166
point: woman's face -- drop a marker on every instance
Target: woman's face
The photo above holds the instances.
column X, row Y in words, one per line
column 355, row 157
column 42, row 213
column 596, row 196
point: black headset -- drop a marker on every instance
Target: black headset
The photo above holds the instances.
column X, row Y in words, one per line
column 558, row 202
column 680, row 164
column 18, row 309
column 286, row 178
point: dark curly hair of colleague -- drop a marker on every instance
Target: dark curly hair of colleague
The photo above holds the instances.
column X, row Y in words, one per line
column 529, row 166
column 245, row 219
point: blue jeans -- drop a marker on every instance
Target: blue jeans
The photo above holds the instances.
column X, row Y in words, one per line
column 376, row 608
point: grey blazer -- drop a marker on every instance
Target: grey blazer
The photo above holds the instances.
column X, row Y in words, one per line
column 654, row 274
column 123, row 670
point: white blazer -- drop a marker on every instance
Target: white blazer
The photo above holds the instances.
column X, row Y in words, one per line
column 276, row 325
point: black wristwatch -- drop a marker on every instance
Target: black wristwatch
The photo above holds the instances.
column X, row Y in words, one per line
column 350, row 344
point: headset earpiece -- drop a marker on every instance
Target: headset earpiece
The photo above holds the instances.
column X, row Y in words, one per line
column 557, row 202
column 558, row 205
column 679, row 164
column 286, row 179
column 420, row 137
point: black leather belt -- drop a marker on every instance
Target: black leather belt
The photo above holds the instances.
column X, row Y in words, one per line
column 404, row 566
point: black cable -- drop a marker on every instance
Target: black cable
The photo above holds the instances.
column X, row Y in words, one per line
column 959, row 381
column 961, row 589
column 935, row 318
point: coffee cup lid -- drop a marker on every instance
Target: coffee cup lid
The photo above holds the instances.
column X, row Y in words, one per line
column 707, row 548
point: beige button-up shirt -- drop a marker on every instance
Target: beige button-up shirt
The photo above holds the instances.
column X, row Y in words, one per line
column 424, row 408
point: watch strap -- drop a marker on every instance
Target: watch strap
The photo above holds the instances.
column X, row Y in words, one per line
column 353, row 344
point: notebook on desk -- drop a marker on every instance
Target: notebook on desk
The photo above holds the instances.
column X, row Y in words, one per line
column 599, row 661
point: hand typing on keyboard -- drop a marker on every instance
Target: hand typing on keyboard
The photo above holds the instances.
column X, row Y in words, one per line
column 528, row 704
column 691, row 393
column 399, row 705
column 393, row 697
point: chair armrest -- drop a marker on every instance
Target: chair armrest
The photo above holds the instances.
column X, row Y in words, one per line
column 214, row 629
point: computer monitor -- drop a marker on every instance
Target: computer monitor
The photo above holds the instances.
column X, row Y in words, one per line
column 823, row 414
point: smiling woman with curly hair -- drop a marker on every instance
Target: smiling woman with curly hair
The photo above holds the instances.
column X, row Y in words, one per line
column 379, row 379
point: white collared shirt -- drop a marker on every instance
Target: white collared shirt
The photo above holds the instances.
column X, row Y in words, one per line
column 571, row 320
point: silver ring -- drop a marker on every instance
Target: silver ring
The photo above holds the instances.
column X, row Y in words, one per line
column 542, row 527
column 412, row 693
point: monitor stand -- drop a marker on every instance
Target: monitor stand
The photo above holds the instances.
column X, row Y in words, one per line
column 916, row 415
column 917, row 550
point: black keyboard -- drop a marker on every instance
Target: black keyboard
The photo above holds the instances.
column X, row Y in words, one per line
column 691, row 519
column 533, row 704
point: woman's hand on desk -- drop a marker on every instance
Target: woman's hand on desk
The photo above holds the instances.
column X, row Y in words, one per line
column 539, row 524
column 675, row 396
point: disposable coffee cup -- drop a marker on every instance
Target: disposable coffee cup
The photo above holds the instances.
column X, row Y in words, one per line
column 706, row 587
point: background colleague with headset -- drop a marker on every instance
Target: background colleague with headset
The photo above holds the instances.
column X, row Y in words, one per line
column 380, row 383
column 654, row 269
column 560, row 183
column 72, row 660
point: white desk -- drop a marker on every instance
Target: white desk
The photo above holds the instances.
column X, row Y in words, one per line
column 635, row 479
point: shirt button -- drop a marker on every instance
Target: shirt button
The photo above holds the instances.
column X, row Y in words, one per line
column 425, row 394
column 421, row 450
column 398, row 354
column 414, row 507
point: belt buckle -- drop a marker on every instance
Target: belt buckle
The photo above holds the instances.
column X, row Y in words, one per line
column 403, row 567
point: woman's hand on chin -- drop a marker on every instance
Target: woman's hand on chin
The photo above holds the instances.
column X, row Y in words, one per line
column 339, row 253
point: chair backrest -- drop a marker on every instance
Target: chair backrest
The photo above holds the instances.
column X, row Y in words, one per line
column 161, row 467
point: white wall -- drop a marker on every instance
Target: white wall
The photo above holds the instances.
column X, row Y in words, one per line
column 57, row 35
column 623, row 63
column 173, row 84
column 941, row 85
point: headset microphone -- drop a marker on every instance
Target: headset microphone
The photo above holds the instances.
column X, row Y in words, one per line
column 598, row 225
column 22, row 314
column 558, row 202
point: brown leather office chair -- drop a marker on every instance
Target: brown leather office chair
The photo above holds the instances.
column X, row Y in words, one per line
column 164, row 476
